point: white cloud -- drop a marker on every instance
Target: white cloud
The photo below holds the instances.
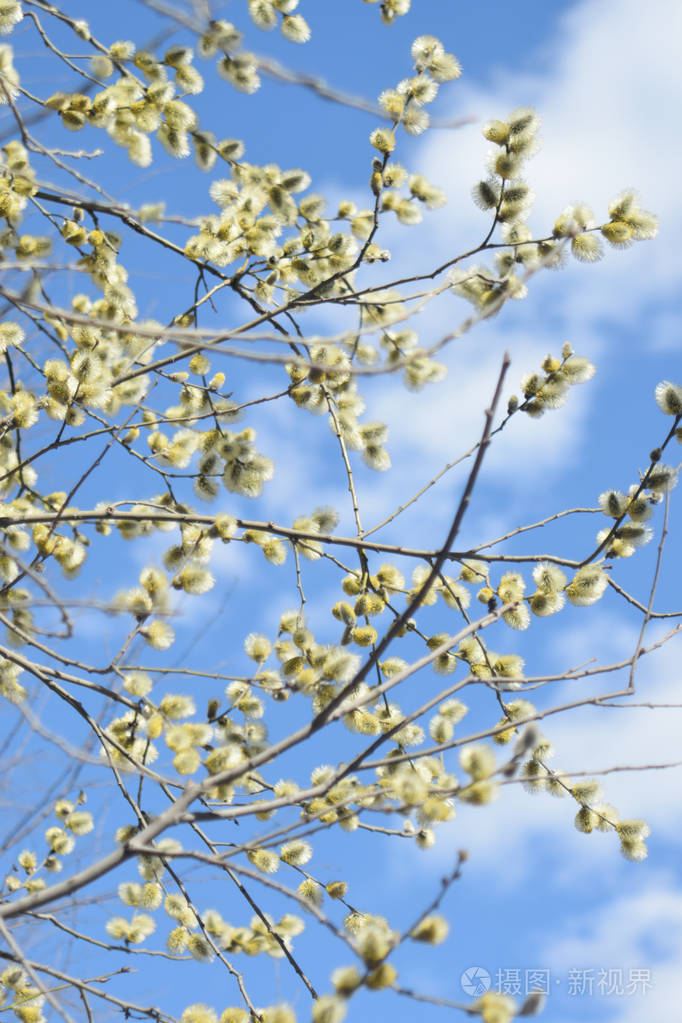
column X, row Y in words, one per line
column 608, row 89
column 590, row 739
column 607, row 103
column 639, row 930
column 595, row 739
column 608, row 97
column 622, row 934
column 584, row 907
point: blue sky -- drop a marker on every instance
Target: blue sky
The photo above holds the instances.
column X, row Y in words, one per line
column 604, row 75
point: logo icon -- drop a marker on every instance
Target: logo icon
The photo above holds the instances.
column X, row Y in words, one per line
column 475, row 981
